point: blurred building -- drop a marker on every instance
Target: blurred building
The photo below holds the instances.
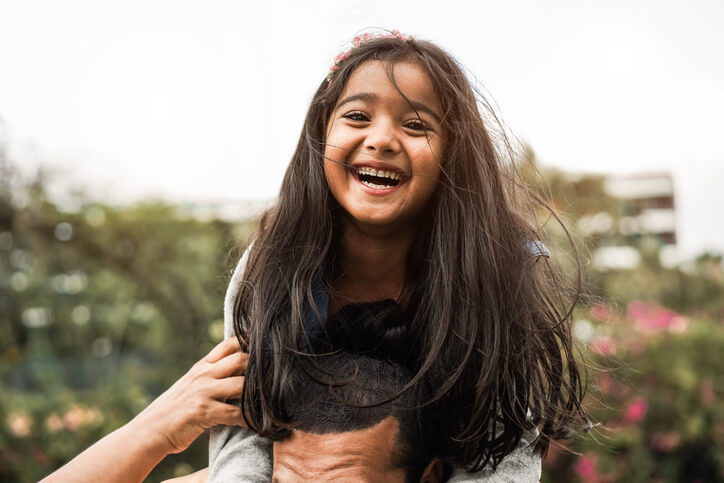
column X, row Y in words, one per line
column 648, row 212
column 648, row 206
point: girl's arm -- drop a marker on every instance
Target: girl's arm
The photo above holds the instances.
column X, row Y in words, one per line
column 169, row 424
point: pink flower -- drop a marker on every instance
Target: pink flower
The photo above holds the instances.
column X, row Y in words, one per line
column 359, row 40
column 601, row 312
column 585, row 468
column 604, row 345
column 636, row 411
column 396, row 34
column 651, row 317
column 342, row 56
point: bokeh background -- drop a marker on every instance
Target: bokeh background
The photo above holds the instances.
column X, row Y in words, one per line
column 140, row 141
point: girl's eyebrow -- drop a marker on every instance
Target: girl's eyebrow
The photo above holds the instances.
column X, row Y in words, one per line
column 363, row 96
column 369, row 97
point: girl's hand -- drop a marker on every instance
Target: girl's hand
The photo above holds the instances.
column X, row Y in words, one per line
column 197, row 401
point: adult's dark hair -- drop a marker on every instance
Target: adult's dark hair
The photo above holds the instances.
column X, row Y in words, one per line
column 347, row 391
column 491, row 328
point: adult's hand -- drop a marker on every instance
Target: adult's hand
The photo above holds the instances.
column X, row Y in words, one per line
column 195, row 402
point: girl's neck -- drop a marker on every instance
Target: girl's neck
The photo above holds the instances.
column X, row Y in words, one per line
column 372, row 264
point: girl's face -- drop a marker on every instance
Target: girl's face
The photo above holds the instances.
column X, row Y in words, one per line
column 387, row 157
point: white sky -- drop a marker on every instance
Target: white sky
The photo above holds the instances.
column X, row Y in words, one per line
column 205, row 100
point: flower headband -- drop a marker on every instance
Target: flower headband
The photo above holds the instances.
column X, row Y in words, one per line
column 361, row 39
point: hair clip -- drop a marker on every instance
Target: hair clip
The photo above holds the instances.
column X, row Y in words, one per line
column 537, row 249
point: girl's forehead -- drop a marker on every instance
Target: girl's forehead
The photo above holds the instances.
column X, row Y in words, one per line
column 373, row 77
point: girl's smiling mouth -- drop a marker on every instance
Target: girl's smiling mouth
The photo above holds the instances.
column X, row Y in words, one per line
column 378, row 179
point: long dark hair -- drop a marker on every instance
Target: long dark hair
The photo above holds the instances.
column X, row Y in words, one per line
column 491, row 328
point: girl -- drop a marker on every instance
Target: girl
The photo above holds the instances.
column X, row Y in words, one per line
column 397, row 192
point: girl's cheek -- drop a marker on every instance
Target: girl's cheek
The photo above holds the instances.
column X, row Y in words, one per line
column 333, row 152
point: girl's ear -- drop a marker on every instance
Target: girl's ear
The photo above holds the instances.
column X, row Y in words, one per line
column 433, row 472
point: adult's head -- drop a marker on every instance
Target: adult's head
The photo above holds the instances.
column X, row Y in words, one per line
column 346, row 428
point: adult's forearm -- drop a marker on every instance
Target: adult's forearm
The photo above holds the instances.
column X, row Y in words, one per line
column 128, row 454
column 194, row 403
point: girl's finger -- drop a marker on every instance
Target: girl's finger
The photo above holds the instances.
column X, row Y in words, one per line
column 233, row 364
column 222, row 349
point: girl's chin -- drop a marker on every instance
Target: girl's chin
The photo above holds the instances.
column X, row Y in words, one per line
column 394, row 221
column 372, row 217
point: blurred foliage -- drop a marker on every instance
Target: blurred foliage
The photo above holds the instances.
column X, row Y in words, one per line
column 657, row 397
column 103, row 307
column 652, row 338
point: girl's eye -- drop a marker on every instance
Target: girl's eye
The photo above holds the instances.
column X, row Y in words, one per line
column 356, row 116
column 417, row 125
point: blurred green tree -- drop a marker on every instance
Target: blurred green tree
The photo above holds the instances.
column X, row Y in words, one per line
column 102, row 308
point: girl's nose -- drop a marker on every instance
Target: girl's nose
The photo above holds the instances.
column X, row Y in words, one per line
column 382, row 138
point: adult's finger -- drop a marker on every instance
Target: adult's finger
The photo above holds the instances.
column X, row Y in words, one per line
column 233, row 364
column 227, row 388
column 222, row 349
column 228, row 414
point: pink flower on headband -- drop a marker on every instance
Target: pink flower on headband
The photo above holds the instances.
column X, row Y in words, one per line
column 342, row 56
column 397, row 34
column 359, row 40
column 365, row 37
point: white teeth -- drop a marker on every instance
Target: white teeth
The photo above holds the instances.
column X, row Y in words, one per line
column 375, row 186
column 380, row 174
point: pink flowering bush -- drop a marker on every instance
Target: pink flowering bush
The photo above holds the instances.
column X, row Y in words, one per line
column 656, row 395
column 636, row 411
column 653, row 337
column 585, row 468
